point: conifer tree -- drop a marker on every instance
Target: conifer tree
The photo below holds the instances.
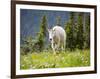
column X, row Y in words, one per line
column 80, row 37
column 69, row 32
column 42, row 33
column 87, row 32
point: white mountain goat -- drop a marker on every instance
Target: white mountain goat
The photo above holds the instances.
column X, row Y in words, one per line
column 57, row 37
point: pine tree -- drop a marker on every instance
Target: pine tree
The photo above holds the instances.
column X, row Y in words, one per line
column 87, row 32
column 80, row 37
column 43, row 25
column 69, row 32
column 42, row 34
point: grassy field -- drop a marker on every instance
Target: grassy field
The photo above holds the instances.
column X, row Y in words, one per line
column 47, row 59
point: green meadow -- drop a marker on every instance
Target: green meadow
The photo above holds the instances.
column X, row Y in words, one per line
column 46, row 59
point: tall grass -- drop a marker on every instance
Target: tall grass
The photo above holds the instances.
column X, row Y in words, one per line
column 47, row 59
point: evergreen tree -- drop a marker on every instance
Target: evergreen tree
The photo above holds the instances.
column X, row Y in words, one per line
column 87, row 32
column 42, row 34
column 69, row 32
column 80, row 36
column 43, row 25
column 78, row 31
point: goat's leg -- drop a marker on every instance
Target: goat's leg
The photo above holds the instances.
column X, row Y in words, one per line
column 63, row 45
column 53, row 47
column 59, row 45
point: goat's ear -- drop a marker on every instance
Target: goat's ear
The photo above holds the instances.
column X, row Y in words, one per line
column 48, row 30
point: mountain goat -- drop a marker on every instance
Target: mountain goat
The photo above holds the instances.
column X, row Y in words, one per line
column 57, row 37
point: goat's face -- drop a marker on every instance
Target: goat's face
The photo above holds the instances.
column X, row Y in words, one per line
column 51, row 34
